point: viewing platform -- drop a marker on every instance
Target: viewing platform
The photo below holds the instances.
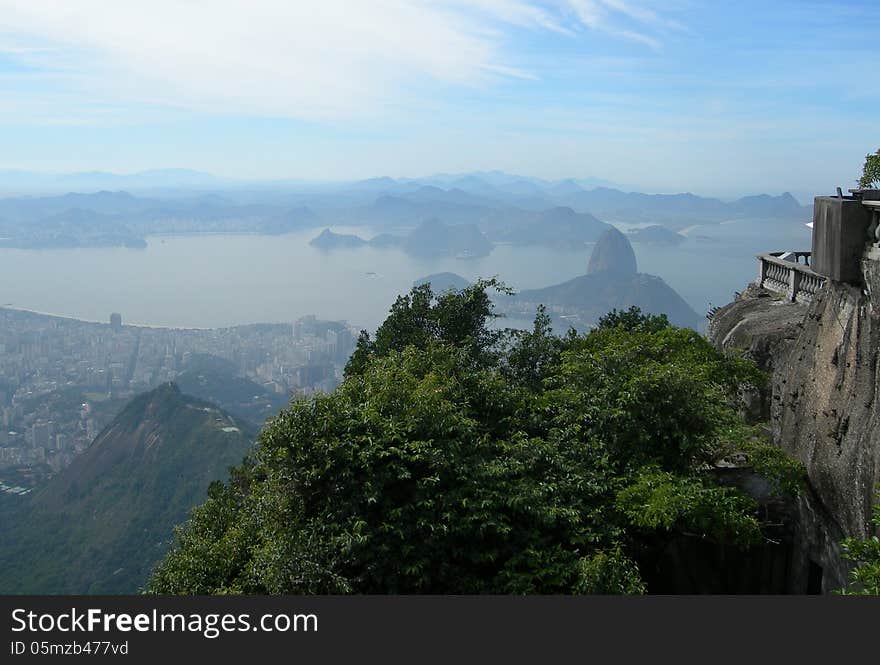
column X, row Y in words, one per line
column 789, row 273
column 846, row 230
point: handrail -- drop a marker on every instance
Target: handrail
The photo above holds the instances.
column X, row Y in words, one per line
column 789, row 276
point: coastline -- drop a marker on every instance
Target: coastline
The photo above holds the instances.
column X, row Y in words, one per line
column 148, row 326
column 51, row 315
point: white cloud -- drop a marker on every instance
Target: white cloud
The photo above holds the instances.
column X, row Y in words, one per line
column 642, row 14
column 516, row 12
column 288, row 58
column 589, row 12
column 639, row 38
column 624, row 19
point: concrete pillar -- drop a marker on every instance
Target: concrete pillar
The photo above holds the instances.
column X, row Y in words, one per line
column 840, row 234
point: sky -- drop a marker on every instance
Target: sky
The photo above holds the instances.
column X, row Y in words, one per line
column 718, row 98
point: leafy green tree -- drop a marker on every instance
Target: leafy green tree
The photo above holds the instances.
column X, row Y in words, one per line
column 871, row 171
column 458, row 458
column 865, row 576
column 633, row 319
column 421, row 317
column 532, row 354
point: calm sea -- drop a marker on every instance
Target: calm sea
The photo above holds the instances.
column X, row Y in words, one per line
column 222, row 280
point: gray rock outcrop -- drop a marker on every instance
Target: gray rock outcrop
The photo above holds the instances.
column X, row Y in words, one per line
column 821, row 404
column 613, row 254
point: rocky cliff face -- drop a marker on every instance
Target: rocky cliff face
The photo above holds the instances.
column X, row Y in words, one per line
column 821, row 405
column 761, row 326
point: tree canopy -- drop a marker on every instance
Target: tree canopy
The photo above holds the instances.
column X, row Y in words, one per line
column 871, row 171
column 457, row 457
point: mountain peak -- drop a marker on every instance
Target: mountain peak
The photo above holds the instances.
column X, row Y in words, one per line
column 613, row 254
column 123, row 495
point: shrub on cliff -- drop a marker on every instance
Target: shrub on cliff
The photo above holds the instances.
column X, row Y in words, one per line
column 455, row 458
column 865, row 576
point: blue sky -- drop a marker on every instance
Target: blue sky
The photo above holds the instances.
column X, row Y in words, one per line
column 719, row 98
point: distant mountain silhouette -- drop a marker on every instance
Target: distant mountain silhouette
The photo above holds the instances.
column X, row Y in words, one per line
column 119, row 218
column 656, row 235
column 386, row 240
column 443, row 281
column 329, row 240
column 474, row 184
column 611, row 282
column 28, row 209
column 506, row 207
column 558, row 227
column 454, row 196
column 430, row 238
column 402, row 210
column 679, row 210
column 379, row 184
column 434, row 238
column 784, row 205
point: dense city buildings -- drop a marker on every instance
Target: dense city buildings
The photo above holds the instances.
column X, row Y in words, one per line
column 63, row 380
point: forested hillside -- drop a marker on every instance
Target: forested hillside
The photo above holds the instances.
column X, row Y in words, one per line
column 459, row 458
column 102, row 523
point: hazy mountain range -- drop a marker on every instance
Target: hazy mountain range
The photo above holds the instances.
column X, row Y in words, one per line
column 505, row 208
column 488, row 182
column 431, row 238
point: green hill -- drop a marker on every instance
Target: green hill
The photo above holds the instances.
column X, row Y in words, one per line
column 215, row 380
column 101, row 524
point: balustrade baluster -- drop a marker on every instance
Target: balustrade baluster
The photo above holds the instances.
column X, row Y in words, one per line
column 793, row 278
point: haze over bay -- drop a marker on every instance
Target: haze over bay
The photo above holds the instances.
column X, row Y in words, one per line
column 222, row 280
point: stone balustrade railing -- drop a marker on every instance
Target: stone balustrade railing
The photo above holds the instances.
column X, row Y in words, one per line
column 789, row 273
